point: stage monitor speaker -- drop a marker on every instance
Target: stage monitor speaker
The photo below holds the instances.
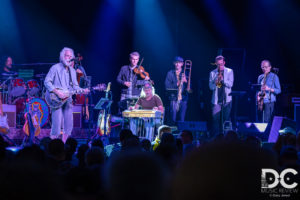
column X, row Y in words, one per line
column 297, row 115
column 77, row 114
column 192, row 126
column 280, row 123
column 10, row 111
column 253, row 129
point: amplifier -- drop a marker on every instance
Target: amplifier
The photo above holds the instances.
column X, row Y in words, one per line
column 10, row 111
column 77, row 116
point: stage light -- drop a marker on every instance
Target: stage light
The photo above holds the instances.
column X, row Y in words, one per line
column 9, row 32
column 261, row 127
column 151, row 32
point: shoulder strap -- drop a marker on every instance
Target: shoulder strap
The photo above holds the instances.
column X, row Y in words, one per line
column 70, row 78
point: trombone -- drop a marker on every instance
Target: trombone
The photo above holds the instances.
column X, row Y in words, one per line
column 188, row 67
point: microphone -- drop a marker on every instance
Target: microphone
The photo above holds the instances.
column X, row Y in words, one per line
column 74, row 59
column 276, row 70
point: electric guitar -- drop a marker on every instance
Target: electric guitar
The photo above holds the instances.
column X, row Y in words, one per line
column 3, row 120
column 32, row 125
column 103, row 124
column 54, row 101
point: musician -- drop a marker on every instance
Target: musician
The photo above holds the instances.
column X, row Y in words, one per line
column 62, row 76
column 172, row 82
column 271, row 88
column 6, row 65
column 220, row 82
column 149, row 100
column 128, row 79
column 84, row 82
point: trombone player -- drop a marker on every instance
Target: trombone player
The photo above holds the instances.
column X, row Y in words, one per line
column 220, row 82
column 177, row 81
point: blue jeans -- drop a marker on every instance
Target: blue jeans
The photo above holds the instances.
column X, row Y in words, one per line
column 267, row 112
column 62, row 118
column 181, row 111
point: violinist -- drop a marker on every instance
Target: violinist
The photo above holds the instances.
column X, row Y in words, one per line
column 129, row 77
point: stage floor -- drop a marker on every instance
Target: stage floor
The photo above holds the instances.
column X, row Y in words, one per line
column 80, row 133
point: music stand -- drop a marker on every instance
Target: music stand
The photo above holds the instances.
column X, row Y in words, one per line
column 103, row 104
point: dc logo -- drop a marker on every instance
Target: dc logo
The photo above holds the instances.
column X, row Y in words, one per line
column 278, row 178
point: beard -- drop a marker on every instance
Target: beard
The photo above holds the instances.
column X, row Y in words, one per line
column 66, row 63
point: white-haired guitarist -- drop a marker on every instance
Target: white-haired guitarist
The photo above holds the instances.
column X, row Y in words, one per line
column 61, row 78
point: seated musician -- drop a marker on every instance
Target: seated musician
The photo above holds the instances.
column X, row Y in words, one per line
column 148, row 99
column 6, row 65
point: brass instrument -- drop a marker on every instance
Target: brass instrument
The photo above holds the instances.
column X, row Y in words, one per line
column 187, row 66
column 219, row 79
column 261, row 94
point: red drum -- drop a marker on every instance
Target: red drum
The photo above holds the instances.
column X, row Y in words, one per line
column 20, row 103
column 33, row 87
column 17, row 87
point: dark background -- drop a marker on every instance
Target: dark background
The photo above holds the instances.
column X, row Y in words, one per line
column 106, row 31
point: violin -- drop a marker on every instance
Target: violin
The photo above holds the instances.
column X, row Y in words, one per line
column 140, row 70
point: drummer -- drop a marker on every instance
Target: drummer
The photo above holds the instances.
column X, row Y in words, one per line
column 6, row 64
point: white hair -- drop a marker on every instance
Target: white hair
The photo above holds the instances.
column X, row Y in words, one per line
column 62, row 54
column 143, row 94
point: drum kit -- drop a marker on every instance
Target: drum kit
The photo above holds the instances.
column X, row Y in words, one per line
column 25, row 95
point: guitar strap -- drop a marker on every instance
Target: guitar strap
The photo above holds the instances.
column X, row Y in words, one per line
column 70, row 78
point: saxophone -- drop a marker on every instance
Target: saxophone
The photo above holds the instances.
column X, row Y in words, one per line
column 261, row 95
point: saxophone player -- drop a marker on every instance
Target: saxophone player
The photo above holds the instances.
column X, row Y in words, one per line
column 220, row 82
column 270, row 87
column 174, row 78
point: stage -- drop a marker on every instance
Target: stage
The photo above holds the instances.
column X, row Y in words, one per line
column 17, row 135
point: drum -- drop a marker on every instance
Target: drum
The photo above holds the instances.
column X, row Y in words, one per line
column 20, row 103
column 39, row 107
column 17, row 87
column 33, row 87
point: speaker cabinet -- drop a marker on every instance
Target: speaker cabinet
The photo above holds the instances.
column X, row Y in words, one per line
column 10, row 111
column 297, row 115
column 77, row 116
column 192, row 125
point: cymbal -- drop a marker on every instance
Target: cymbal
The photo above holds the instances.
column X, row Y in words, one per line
column 40, row 75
